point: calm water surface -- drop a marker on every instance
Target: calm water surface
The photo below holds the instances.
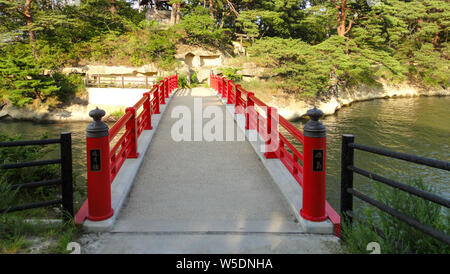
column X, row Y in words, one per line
column 420, row 126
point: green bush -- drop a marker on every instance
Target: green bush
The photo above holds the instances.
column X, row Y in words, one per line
column 182, row 81
column 231, row 73
column 398, row 236
column 22, row 77
column 201, row 29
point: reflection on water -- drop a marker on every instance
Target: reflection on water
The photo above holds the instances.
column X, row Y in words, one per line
column 413, row 125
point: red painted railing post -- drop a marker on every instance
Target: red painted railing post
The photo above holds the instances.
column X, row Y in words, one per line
column 229, row 92
column 224, row 87
column 272, row 133
column 98, row 168
column 249, row 110
column 314, row 168
column 219, row 85
column 132, row 126
column 237, row 98
column 157, row 100
column 161, row 90
column 176, row 80
column 148, row 109
column 166, row 87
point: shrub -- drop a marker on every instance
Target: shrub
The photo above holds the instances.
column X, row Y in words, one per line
column 23, row 78
column 231, row 73
column 398, row 236
column 202, row 29
column 182, row 81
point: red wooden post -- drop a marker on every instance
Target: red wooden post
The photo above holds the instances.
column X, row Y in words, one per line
column 166, row 87
column 229, row 92
column 132, row 126
column 148, row 109
column 314, row 168
column 249, row 109
column 157, row 100
column 224, row 87
column 98, row 168
column 237, row 98
column 272, row 133
column 161, row 95
column 218, row 85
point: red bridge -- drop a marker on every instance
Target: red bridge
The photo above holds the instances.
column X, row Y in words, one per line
column 142, row 179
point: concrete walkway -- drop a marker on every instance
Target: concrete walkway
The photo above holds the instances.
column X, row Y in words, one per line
column 204, row 197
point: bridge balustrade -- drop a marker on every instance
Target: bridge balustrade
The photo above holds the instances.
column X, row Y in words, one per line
column 301, row 165
column 107, row 149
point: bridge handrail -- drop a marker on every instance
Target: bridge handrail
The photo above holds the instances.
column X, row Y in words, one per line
column 260, row 116
column 258, row 120
column 111, row 156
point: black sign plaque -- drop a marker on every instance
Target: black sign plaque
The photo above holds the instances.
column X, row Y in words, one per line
column 95, row 160
column 317, row 160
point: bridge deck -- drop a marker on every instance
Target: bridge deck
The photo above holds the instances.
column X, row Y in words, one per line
column 201, row 197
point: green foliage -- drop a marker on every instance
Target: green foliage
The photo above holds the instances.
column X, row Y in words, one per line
column 182, row 81
column 398, row 237
column 194, row 79
column 324, row 68
column 201, row 29
column 231, row 73
column 25, row 154
column 391, row 40
column 23, row 78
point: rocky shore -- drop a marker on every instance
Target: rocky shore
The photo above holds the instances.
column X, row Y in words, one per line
column 290, row 108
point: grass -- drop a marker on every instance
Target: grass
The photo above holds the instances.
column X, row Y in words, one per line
column 19, row 235
column 27, row 231
column 398, row 237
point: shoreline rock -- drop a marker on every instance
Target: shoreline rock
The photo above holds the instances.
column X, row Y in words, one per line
column 72, row 113
column 290, row 108
column 294, row 109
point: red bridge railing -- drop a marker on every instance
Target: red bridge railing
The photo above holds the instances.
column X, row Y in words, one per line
column 105, row 155
column 265, row 119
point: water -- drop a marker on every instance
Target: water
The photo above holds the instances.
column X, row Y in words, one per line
column 418, row 126
column 31, row 130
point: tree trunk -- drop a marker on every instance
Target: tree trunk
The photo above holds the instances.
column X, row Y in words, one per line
column 177, row 16
column 113, row 7
column 29, row 20
column 341, row 17
column 211, row 12
column 173, row 14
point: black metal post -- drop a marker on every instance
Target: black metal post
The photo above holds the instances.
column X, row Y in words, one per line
column 347, row 158
column 66, row 173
